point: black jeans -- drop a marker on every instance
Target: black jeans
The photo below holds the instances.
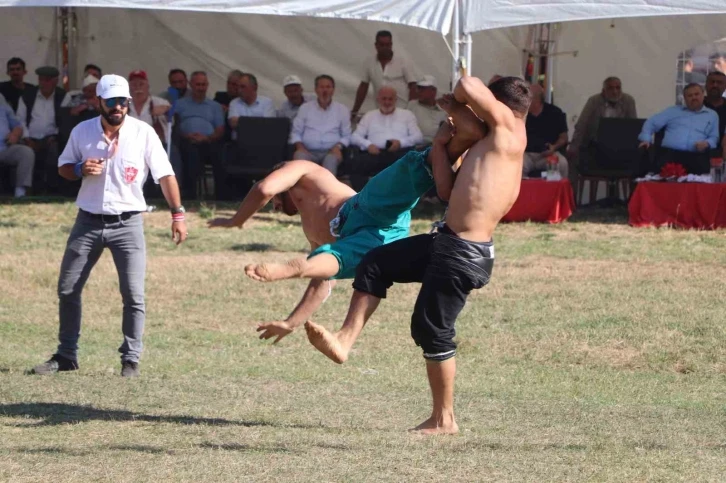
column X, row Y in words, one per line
column 194, row 156
column 448, row 267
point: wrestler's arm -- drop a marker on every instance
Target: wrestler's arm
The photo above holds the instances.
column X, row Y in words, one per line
column 473, row 92
column 440, row 162
column 315, row 294
column 263, row 191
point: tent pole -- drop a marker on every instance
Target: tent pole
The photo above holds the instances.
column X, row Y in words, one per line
column 467, row 41
column 455, row 34
column 550, row 51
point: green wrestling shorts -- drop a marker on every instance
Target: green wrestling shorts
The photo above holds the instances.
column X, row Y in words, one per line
column 380, row 213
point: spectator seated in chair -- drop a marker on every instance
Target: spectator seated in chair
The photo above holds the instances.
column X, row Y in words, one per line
column 39, row 111
column 292, row 87
column 201, row 123
column 691, row 131
column 84, row 101
column 429, row 115
column 19, row 156
column 321, row 128
column 13, row 89
column 715, row 87
column 610, row 102
column 385, row 135
column 249, row 103
column 546, row 134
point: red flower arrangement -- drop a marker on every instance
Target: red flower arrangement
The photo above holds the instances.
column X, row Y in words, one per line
column 672, row 170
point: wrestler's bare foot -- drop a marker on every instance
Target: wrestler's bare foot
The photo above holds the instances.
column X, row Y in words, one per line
column 326, row 342
column 269, row 272
column 437, row 425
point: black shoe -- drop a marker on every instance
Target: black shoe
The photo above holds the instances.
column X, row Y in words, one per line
column 130, row 369
column 55, row 364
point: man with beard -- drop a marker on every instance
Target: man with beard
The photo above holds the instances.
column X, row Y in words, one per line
column 112, row 154
column 383, row 135
column 343, row 226
column 715, row 87
column 611, row 101
column 691, row 131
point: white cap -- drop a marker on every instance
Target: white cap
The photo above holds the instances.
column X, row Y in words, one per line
column 427, row 81
column 90, row 79
column 291, row 80
column 112, row 85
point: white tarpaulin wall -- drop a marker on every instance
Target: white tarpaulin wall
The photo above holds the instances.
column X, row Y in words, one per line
column 121, row 40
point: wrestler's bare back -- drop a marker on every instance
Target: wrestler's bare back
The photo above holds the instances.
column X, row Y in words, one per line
column 318, row 196
column 488, row 183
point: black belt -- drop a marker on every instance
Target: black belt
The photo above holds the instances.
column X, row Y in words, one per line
column 111, row 218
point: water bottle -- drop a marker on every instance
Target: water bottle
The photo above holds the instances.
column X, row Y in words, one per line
column 553, row 174
column 717, row 170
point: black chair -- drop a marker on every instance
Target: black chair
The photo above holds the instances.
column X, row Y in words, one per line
column 614, row 158
column 261, row 144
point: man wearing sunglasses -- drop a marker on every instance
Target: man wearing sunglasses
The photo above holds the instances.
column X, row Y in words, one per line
column 112, row 154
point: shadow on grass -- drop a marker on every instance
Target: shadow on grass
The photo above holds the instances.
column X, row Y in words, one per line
column 294, row 221
column 54, row 414
column 252, row 247
column 245, row 448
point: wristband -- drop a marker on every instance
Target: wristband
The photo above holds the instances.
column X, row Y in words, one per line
column 78, row 169
column 177, row 217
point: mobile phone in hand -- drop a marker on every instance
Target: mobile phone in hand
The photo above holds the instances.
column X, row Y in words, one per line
column 389, row 143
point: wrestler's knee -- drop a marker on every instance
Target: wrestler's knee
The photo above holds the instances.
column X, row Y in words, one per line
column 370, row 277
column 437, row 345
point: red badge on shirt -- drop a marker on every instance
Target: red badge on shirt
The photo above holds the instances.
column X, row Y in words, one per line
column 130, row 174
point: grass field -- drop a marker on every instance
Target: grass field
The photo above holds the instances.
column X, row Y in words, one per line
column 596, row 353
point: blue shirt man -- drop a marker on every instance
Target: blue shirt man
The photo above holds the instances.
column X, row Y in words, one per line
column 199, row 116
column 689, row 128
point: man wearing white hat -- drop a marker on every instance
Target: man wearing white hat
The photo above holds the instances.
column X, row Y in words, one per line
column 83, row 100
column 428, row 114
column 292, row 86
column 112, row 155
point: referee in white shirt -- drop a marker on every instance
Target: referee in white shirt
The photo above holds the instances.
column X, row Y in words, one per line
column 113, row 154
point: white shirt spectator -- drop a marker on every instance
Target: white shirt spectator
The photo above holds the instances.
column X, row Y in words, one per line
column 377, row 128
column 321, row 129
column 262, row 107
column 42, row 119
column 397, row 74
column 120, row 187
column 428, row 118
column 145, row 114
column 289, row 111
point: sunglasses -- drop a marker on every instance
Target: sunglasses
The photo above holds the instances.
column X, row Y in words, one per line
column 116, row 101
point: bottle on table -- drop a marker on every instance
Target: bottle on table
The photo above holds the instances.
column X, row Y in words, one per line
column 553, row 172
column 717, row 174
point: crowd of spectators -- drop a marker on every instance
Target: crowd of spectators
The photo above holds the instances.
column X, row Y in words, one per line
column 324, row 130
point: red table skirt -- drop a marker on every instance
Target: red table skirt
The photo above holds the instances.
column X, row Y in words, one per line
column 545, row 201
column 685, row 205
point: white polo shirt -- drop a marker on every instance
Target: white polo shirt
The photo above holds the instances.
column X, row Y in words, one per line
column 42, row 119
column 397, row 73
column 119, row 188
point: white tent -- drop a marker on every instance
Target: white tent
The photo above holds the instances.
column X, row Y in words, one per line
column 642, row 51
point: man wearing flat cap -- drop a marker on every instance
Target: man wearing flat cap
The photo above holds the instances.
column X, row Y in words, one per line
column 39, row 111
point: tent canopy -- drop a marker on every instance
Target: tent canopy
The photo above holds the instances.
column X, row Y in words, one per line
column 433, row 15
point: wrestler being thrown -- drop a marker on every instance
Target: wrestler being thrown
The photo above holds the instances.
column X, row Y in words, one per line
column 456, row 259
column 342, row 225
